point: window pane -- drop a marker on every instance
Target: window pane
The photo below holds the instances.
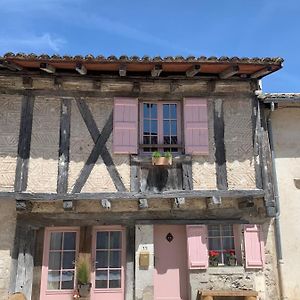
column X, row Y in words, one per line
column 166, row 127
column 227, row 230
column 68, row 260
column 173, row 128
column 153, row 111
column 167, row 141
column 115, row 240
column 146, row 127
column 146, row 110
column 67, row 280
column 115, row 259
column 213, row 230
column 102, row 259
column 101, row 279
column 228, row 243
column 153, row 140
column 173, row 111
column 173, row 139
column 53, row 280
column 69, row 240
column 102, row 240
column 55, row 240
column 146, row 140
column 166, row 114
column 154, row 127
column 54, row 261
column 115, row 279
column 214, row 244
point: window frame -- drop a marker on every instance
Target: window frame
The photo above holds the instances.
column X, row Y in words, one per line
column 236, row 243
column 161, row 146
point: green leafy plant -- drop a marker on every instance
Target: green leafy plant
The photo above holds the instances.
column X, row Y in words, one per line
column 168, row 154
column 156, row 154
column 83, row 269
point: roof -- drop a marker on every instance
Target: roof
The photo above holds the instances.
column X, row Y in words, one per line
column 190, row 66
column 279, row 97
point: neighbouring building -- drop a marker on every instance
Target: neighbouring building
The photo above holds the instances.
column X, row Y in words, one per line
column 77, row 137
column 283, row 123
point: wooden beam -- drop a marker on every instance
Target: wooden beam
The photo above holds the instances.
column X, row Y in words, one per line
column 262, row 72
column 255, row 193
column 134, row 175
column 153, row 95
column 96, row 136
column 130, row 262
column 220, row 152
column 80, row 68
column 64, row 146
column 47, row 68
column 192, row 71
column 122, row 70
column 24, row 143
column 25, row 264
column 157, row 69
column 187, row 175
column 10, row 66
column 229, row 72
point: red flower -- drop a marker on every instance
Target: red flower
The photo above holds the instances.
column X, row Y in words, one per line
column 231, row 252
column 213, row 253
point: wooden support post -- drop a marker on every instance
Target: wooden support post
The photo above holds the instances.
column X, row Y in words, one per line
column 21, row 177
column 220, row 152
column 25, row 264
column 256, row 141
column 81, row 69
column 187, row 175
column 134, row 176
column 229, row 72
column 157, row 69
column 262, row 72
column 191, row 72
column 10, row 66
column 130, row 263
column 47, row 68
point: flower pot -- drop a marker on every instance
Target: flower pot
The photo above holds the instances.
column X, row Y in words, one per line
column 84, row 289
column 231, row 261
column 161, row 161
column 213, row 263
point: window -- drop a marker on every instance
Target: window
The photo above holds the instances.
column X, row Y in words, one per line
column 61, row 260
column 221, row 243
column 160, row 126
column 108, row 266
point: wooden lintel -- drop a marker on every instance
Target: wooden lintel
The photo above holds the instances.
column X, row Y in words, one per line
column 157, row 69
column 254, row 193
column 178, row 96
column 262, row 72
column 10, row 66
column 47, row 68
column 229, row 72
column 122, row 70
column 191, row 72
column 81, row 69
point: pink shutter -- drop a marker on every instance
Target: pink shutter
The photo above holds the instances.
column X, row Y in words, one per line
column 254, row 246
column 197, row 246
column 195, row 126
column 125, row 127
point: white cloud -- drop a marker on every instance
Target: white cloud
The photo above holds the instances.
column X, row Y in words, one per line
column 32, row 43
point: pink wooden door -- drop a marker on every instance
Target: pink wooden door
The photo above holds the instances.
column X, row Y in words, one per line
column 170, row 274
column 58, row 270
column 108, row 260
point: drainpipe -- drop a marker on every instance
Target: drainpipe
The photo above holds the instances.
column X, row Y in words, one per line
column 280, row 261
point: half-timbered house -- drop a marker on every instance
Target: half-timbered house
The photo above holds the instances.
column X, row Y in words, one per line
column 77, row 136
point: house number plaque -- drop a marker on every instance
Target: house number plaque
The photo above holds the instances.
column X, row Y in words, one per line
column 169, row 237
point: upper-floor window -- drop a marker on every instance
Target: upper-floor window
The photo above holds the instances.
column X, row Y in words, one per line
column 160, row 127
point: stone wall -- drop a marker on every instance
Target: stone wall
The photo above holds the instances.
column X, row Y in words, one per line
column 7, row 232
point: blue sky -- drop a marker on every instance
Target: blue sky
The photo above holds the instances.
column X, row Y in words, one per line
column 159, row 27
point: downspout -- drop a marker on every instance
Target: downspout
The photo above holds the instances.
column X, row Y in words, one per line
column 280, row 261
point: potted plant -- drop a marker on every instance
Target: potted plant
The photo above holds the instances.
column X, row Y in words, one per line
column 83, row 271
column 231, row 258
column 159, row 159
column 213, row 258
